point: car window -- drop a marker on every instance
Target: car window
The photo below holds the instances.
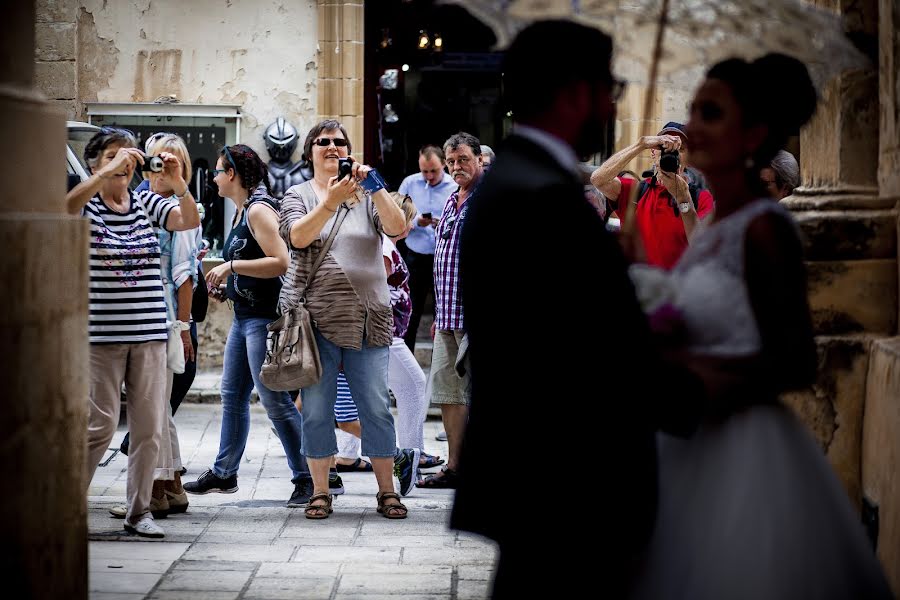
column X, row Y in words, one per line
column 78, row 139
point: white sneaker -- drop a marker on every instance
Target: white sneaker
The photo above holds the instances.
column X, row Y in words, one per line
column 145, row 527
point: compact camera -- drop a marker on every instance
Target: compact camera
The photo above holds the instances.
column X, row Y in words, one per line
column 345, row 167
column 669, row 161
column 153, row 164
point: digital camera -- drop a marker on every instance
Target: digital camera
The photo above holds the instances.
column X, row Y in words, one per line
column 669, row 161
column 153, row 164
column 345, row 167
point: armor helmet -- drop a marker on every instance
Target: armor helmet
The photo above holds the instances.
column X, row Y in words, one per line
column 281, row 140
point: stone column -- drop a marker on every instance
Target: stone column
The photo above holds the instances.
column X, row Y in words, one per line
column 342, row 66
column 881, row 424
column 851, row 248
column 43, row 337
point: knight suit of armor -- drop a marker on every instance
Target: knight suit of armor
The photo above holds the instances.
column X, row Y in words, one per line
column 281, row 141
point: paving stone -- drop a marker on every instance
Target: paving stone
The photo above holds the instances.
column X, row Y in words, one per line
column 127, row 583
column 449, row 556
column 431, row 541
column 244, row 552
column 128, row 565
column 151, row 550
column 294, row 570
column 192, row 595
column 258, row 520
column 348, row 554
column 301, row 532
column 389, row 583
column 379, row 568
column 220, row 581
column 477, row 573
column 392, row 597
column 472, row 590
column 272, row 588
column 237, row 537
column 114, row 596
column 215, row 565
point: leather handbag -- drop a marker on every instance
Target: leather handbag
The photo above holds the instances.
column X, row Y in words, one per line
column 292, row 357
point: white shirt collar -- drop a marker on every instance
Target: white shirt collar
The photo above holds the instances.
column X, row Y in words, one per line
column 557, row 148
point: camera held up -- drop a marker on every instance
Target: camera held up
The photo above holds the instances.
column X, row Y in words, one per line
column 345, row 167
column 153, row 164
column 669, row 161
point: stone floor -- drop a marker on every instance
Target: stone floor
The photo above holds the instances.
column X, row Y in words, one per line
column 247, row 545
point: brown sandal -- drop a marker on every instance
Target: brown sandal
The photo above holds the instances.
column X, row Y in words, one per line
column 318, row 511
column 390, row 511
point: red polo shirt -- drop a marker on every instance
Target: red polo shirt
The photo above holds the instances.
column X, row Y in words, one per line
column 662, row 231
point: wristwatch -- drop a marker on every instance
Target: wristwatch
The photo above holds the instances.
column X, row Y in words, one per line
column 684, row 207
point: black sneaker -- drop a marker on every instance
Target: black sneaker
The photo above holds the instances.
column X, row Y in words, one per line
column 209, row 482
column 406, row 466
column 335, row 484
column 303, row 489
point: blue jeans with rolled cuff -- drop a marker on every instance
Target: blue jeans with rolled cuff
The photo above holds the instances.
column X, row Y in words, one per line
column 245, row 351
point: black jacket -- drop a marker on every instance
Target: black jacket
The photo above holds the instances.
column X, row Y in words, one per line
column 562, row 366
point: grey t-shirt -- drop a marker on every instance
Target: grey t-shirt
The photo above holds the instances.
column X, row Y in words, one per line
column 348, row 298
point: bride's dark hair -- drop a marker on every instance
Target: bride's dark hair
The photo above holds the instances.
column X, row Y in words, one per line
column 783, row 111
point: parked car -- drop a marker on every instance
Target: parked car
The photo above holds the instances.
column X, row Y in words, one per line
column 78, row 136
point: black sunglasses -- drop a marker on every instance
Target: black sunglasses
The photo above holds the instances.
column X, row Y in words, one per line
column 325, row 142
column 107, row 130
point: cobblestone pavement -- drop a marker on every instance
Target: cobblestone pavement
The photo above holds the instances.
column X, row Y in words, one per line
column 248, row 545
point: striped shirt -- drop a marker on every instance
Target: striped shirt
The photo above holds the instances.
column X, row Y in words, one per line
column 448, row 307
column 127, row 304
column 344, row 407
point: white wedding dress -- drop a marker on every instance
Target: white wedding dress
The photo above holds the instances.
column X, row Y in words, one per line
column 749, row 508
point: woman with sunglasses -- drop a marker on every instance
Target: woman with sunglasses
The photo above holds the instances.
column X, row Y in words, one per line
column 127, row 328
column 350, row 306
column 254, row 259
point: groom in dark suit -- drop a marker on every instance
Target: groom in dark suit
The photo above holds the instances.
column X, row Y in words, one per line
column 558, row 347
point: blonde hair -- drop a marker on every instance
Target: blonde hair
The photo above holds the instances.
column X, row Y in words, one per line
column 172, row 143
column 406, row 204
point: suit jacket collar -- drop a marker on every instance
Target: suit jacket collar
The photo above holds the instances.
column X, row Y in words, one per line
column 528, row 148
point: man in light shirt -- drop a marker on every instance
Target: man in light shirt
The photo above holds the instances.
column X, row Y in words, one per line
column 429, row 189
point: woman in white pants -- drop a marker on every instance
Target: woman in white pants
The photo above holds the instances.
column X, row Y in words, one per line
column 405, row 377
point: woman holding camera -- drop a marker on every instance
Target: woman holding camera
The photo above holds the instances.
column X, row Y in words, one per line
column 255, row 258
column 128, row 330
column 349, row 303
column 178, row 264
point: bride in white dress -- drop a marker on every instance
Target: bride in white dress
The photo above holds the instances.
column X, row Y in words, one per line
column 748, row 506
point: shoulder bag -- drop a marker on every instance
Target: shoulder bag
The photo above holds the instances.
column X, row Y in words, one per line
column 292, row 357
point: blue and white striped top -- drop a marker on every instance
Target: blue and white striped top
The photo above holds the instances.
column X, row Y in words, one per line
column 127, row 304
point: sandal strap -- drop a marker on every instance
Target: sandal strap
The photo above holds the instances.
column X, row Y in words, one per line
column 314, row 497
column 382, row 496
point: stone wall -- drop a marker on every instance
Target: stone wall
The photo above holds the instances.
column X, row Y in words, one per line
column 55, row 55
column 881, row 451
column 260, row 55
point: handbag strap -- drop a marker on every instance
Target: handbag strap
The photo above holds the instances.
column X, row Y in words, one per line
column 343, row 211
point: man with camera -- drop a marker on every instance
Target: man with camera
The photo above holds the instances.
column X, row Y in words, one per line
column 669, row 204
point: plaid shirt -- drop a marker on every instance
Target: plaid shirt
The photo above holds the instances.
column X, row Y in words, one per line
column 447, row 299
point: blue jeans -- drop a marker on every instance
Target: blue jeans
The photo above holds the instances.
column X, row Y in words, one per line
column 244, row 354
column 367, row 374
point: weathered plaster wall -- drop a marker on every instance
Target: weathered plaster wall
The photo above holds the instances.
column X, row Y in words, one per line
column 261, row 55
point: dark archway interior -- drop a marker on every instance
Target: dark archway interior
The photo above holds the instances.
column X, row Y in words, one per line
column 454, row 88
